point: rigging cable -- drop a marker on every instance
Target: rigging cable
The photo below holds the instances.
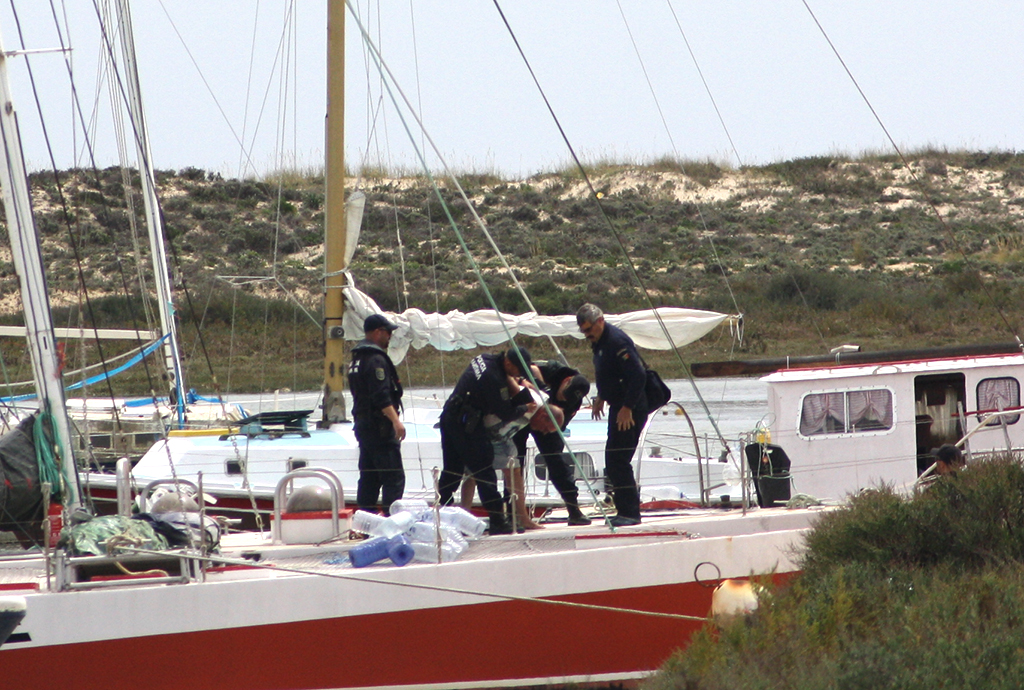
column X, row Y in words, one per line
column 221, row 560
column 615, row 233
column 383, row 68
column 928, row 198
column 66, row 213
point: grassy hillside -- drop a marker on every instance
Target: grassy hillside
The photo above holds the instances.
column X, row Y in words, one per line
column 815, row 252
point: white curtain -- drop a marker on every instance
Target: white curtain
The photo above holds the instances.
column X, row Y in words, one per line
column 822, row 414
column 999, row 394
column 870, row 410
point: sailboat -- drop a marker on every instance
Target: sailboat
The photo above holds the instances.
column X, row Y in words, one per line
column 113, row 427
column 242, row 464
column 263, row 613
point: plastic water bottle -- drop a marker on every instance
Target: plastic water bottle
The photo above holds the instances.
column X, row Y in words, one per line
column 400, row 551
column 427, row 533
column 366, row 523
column 416, row 506
column 398, row 523
column 424, row 532
column 427, row 553
column 463, row 520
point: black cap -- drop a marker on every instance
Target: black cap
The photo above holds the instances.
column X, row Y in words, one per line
column 514, row 354
column 577, row 387
column 375, row 321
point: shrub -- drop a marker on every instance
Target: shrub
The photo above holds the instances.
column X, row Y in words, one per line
column 895, row 592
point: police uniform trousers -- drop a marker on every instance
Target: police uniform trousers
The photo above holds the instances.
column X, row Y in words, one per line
column 618, row 462
column 380, row 464
column 463, row 452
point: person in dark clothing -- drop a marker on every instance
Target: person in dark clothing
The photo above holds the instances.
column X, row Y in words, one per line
column 566, row 389
column 377, row 401
column 620, row 379
column 488, row 386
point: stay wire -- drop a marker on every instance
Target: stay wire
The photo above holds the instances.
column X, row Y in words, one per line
column 721, row 120
column 65, row 209
column 383, row 68
column 708, row 235
column 615, row 233
column 704, row 81
column 928, row 199
column 413, row 585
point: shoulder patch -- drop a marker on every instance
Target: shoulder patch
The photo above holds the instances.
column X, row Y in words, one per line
column 624, row 353
column 379, row 372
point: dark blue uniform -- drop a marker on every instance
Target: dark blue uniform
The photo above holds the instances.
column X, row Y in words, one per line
column 465, row 446
column 375, row 385
column 620, row 383
column 550, row 446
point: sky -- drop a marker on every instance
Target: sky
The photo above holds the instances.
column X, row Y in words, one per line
column 619, row 76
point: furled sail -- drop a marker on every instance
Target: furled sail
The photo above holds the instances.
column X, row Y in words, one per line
column 461, row 331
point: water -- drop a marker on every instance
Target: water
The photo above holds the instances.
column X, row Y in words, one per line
column 735, row 404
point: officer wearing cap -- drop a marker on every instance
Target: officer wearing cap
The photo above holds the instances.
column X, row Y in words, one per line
column 566, row 389
column 620, row 378
column 488, row 386
column 377, row 401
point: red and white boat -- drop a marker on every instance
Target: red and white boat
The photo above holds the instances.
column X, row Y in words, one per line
column 567, row 605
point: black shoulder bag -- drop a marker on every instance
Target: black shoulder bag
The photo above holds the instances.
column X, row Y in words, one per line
column 654, row 388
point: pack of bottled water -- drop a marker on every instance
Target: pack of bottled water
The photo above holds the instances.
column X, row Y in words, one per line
column 425, row 535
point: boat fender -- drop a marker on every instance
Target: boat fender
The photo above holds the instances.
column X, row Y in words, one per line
column 310, row 498
column 733, row 598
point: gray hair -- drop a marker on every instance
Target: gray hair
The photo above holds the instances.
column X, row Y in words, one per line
column 588, row 313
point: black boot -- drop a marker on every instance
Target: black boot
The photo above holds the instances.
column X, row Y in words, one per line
column 576, row 516
column 499, row 525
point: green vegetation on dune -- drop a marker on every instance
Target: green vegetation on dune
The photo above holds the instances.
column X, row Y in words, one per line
column 815, row 252
column 895, row 592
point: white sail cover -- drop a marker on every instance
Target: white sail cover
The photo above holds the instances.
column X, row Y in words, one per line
column 458, row 331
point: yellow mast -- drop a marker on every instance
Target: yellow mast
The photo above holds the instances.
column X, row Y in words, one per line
column 334, row 218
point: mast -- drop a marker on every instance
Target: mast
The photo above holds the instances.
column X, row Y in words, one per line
column 154, row 223
column 35, row 297
column 334, row 218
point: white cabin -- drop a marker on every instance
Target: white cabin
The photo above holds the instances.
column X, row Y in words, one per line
column 845, row 428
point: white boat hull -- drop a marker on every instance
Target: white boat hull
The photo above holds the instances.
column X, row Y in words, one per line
column 483, row 622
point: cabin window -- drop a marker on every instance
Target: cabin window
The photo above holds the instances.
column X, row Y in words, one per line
column 998, row 394
column 846, row 412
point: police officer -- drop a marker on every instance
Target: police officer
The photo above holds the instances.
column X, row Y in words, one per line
column 620, row 379
column 486, row 387
column 377, row 400
column 566, row 389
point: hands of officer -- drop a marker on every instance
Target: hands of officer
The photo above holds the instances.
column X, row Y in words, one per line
column 597, row 408
column 624, row 420
column 531, row 407
column 399, row 429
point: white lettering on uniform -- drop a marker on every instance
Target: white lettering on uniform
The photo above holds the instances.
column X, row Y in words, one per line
column 478, row 366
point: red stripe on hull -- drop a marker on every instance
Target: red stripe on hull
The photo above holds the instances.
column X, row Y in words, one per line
column 478, row 643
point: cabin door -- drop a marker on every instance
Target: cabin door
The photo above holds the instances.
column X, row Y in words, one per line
column 940, row 402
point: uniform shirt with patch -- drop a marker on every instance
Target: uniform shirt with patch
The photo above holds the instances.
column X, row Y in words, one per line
column 618, row 373
column 373, row 380
column 484, row 386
